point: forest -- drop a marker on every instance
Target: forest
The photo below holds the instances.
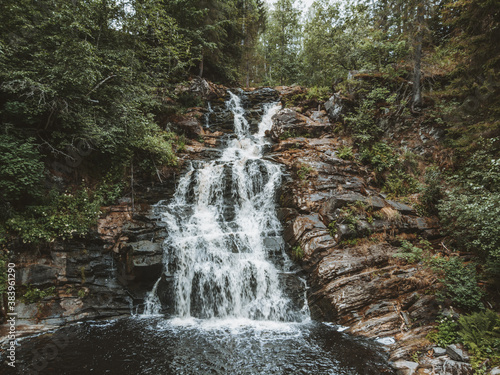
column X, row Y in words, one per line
column 84, row 85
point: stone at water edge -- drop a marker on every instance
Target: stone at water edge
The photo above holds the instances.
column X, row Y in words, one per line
column 405, row 367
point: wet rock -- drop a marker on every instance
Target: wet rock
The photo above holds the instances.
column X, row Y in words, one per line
column 204, row 89
column 262, row 95
column 191, row 127
column 38, row 274
column 289, row 123
column 495, row 371
column 405, row 367
column 456, row 353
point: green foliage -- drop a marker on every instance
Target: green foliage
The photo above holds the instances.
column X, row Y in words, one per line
column 447, row 332
column 108, row 192
column 33, row 295
column 340, row 37
column 288, row 134
column 332, row 228
column 297, row 253
column 3, row 272
column 380, row 156
column 470, row 212
column 431, row 192
column 281, row 44
column 304, row 171
column 82, row 293
column 345, row 152
column 410, row 253
column 460, row 282
column 399, row 184
column 21, row 170
column 64, row 216
column 349, row 216
column 318, row 93
column 480, row 333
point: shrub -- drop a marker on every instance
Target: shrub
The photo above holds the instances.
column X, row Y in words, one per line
column 345, row 153
column 431, row 192
column 409, row 252
column 447, row 332
column 470, row 212
column 21, row 170
column 64, row 216
column 380, row 156
column 460, row 283
column 362, row 121
column 399, row 184
column 321, row 94
column 33, row 295
column 304, row 172
column 480, row 333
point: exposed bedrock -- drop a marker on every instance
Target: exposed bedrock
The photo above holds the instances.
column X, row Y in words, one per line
column 346, row 229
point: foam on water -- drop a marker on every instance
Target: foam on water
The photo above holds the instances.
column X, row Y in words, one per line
column 221, row 214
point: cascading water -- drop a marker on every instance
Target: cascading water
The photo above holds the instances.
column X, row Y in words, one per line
column 232, row 314
column 220, row 220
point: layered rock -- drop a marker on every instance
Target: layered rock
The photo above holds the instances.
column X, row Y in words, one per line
column 346, row 230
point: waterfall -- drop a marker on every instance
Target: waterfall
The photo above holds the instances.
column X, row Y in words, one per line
column 224, row 233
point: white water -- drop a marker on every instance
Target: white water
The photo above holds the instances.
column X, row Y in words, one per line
column 221, row 215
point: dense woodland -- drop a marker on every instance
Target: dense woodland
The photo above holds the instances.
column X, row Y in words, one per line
column 84, row 83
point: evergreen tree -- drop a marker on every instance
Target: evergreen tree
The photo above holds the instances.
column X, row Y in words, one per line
column 282, row 43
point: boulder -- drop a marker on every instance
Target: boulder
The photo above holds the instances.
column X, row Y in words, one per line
column 289, row 123
column 405, row 367
column 451, row 367
column 334, row 108
column 439, row 352
column 456, row 353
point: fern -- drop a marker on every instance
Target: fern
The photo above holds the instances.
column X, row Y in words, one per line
column 480, row 332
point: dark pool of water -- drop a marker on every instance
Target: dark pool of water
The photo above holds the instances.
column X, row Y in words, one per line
column 159, row 346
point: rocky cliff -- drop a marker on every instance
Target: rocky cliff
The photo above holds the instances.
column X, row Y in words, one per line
column 339, row 227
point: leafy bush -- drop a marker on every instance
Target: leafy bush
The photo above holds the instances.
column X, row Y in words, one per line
column 363, row 121
column 321, row 94
column 64, row 216
column 431, row 192
column 304, row 172
column 3, row 273
column 399, row 184
column 410, row 253
column 332, row 228
column 460, row 282
column 447, row 332
column 470, row 212
column 380, row 156
column 21, row 169
column 480, row 333
column 33, row 295
column 345, row 153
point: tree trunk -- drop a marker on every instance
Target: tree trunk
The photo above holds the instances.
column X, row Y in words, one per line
column 201, row 67
column 417, row 87
column 248, row 73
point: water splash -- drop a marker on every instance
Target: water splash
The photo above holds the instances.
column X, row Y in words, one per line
column 223, row 232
